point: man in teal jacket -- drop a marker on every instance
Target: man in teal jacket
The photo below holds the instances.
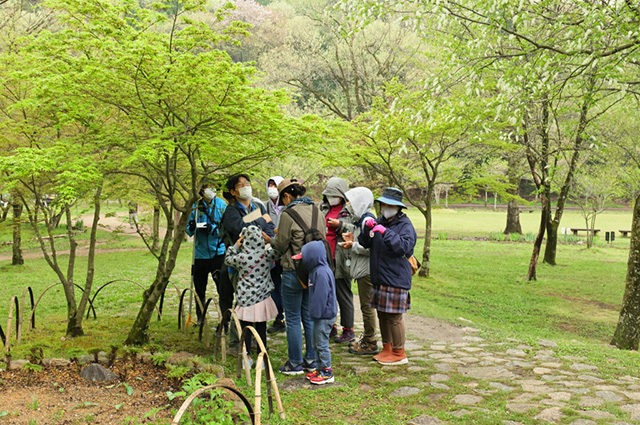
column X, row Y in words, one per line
column 204, row 226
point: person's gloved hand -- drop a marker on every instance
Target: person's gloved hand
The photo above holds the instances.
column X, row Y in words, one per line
column 206, row 229
column 378, row 228
column 370, row 222
column 192, row 225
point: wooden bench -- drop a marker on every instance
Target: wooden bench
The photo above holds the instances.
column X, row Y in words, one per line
column 575, row 231
column 624, row 232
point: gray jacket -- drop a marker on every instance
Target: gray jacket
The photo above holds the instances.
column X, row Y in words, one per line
column 272, row 205
column 360, row 204
column 338, row 187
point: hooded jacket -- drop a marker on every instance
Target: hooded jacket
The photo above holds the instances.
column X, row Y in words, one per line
column 253, row 262
column 208, row 245
column 336, row 186
column 273, row 209
column 360, row 204
column 322, row 285
column 390, row 251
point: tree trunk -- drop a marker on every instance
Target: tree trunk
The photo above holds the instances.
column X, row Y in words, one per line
column 75, row 328
column 139, row 333
column 426, row 249
column 552, row 229
column 537, row 244
column 74, row 316
column 513, row 210
column 513, row 218
column 17, row 258
column 627, row 332
column 155, row 246
column 552, row 241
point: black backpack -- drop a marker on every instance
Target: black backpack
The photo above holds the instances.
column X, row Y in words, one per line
column 310, row 234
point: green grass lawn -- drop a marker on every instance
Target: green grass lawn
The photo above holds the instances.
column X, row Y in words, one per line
column 485, row 282
column 480, row 222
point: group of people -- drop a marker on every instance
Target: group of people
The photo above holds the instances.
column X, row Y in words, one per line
column 255, row 251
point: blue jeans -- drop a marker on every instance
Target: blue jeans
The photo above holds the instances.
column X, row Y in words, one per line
column 321, row 329
column 295, row 301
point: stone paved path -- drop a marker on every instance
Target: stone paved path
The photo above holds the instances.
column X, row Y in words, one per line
column 535, row 380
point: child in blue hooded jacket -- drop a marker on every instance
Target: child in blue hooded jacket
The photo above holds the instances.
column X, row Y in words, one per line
column 323, row 307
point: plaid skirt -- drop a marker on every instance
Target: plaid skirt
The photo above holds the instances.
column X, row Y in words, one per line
column 390, row 300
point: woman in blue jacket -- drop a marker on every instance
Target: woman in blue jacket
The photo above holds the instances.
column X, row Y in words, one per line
column 391, row 241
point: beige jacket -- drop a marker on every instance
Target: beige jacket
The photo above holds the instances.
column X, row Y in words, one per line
column 288, row 240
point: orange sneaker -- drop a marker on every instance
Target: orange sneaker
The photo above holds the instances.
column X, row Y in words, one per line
column 386, row 350
column 395, row 358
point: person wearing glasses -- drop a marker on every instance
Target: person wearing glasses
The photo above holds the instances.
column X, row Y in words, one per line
column 242, row 212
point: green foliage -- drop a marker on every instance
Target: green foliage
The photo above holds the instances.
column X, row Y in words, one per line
column 34, row 404
column 515, row 237
column 128, row 388
column 177, row 371
column 153, row 348
column 84, row 405
column 33, row 367
column 497, row 236
column 159, row 358
column 210, row 407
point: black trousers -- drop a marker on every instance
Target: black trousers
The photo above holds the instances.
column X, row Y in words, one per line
column 214, row 266
column 260, row 327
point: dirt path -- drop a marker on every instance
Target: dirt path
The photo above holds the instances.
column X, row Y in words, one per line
column 111, row 223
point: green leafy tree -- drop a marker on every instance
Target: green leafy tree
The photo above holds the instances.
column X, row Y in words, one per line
column 17, row 20
column 408, row 138
column 556, row 67
column 335, row 65
column 182, row 109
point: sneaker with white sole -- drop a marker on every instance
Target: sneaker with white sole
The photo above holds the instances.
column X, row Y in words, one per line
column 324, row 377
column 309, row 366
column 289, row 369
column 312, row 375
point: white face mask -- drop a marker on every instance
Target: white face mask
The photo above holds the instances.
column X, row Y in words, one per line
column 209, row 194
column 244, row 192
column 389, row 212
column 334, row 200
column 272, row 193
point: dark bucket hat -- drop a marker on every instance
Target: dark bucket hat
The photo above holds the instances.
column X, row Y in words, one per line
column 391, row 196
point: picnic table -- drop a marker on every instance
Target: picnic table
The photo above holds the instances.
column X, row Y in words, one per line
column 624, row 232
column 575, row 230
